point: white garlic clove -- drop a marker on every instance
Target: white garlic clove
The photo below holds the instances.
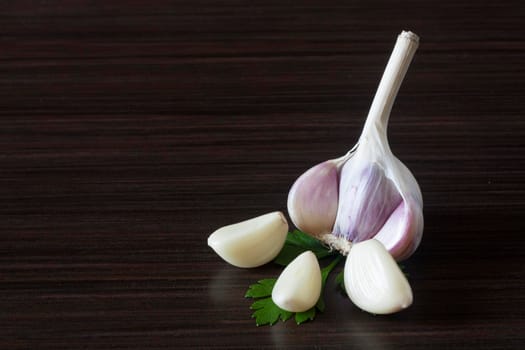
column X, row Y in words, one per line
column 251, row 243
column 373, row 280
column 298, row 288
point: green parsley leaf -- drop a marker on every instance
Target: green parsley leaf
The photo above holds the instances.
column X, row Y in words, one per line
column 285, row 315
column 288, row 254
column 301, row 317
column 262, row 288
column 298, row 242
column 320, row 304
column 326, row 271
column 340, row 280
column 266, row 312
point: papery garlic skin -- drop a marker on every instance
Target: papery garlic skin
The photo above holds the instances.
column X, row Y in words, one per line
column 402, row 232
column 313, row 199
column 374, row 281
column 378, row 197
column 298, row 288
column 372, row 197
column 251, row 243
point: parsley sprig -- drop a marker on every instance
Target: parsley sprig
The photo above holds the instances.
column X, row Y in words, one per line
column 266, row 312
column 298, row 242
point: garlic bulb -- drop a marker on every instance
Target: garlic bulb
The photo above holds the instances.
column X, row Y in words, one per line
column 373, row 280
column 298, row 288
column 367, row 193
column 251, row 243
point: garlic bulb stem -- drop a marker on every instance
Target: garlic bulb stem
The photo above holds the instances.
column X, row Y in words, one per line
column 395, row 71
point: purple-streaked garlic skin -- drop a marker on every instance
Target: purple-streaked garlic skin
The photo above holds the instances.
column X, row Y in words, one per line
column 368, row 198
column 313, row 199
column 380, row 199
column 404, row 235
column 356, row 200
column 403, row 230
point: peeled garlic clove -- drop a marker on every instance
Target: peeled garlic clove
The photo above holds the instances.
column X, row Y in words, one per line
column 373, row 280
column 251, row 243
column 378, row 197
column 298, row 288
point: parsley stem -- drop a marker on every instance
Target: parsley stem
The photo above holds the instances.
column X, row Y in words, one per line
column 333, row 264
column 326, row 271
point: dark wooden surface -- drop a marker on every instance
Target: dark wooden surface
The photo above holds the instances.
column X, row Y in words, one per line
column 130, row 130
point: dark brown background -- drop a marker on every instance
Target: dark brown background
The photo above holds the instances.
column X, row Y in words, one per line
column 129, row 131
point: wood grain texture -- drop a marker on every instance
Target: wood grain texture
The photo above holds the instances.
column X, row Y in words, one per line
column 130, row 130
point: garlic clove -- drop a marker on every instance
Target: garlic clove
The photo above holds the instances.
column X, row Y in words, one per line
column 251, row 243
column 401, row 234
column 313, row 198
column 370, row 198
column 373, row 280
column 298, row 288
